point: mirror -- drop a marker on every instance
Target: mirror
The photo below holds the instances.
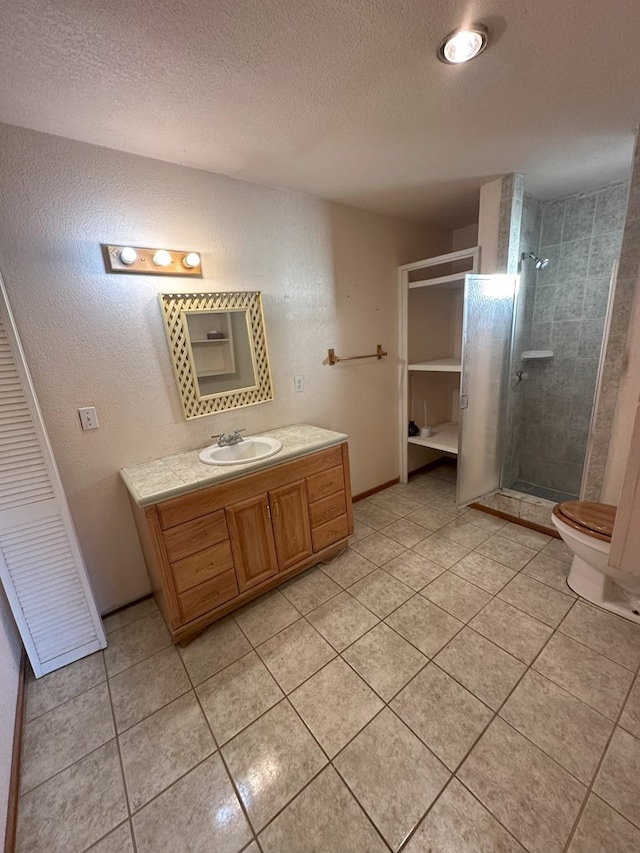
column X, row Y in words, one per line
column 218, row 349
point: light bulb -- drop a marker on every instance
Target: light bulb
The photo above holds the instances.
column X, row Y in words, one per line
column 162, row 258
column 128, row 255
column 191, row 260
column 463, row 45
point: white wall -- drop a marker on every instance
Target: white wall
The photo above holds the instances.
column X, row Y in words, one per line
column 9, row 668
column 328, row 276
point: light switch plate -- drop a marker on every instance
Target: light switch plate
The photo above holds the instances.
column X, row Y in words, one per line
column 298, row 383
column 89, row 418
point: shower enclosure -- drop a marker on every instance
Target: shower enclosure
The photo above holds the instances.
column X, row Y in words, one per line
column 568, row 249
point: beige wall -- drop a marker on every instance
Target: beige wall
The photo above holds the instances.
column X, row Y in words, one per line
column 329, row 279
column 9, row 668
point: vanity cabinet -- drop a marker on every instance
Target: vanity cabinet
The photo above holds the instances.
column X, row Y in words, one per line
column 213, row 549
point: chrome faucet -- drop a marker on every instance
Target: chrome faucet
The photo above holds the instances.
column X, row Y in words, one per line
column 225, row 440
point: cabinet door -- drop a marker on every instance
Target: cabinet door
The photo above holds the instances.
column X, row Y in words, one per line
column 290, row 519
column 254, row 554
column 484, row 383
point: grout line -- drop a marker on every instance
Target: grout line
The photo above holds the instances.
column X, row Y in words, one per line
column 123, row 778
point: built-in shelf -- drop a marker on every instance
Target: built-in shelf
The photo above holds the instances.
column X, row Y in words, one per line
column 443, row 437
column 452, row 278
column 444, row 365
column 210, row 341
column 530, row 354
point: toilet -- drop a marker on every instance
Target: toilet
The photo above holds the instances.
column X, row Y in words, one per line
column 586, row 528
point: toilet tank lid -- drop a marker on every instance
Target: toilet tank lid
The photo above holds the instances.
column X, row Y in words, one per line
column 596, row 517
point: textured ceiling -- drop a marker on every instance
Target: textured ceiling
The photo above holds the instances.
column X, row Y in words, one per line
column 343, row 99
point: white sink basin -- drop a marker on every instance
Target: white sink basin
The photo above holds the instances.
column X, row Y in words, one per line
column 248, row 450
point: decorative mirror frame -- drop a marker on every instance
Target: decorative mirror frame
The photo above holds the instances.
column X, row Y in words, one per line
column 195, row 406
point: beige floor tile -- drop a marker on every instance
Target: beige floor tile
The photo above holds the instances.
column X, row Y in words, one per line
column 483, row 572
column 424, row 625
column 413, row 570
column 118, row 841
column 380, row 592
column 566, row 729
column 479, row 665
column 130, row 614
column 384, row 660
column 447, row 504
column 75, row 809
column 135, row 642
column 295, row 653
column 442, row 713
column 612, row 636
column 430, row 517
column 441, row 550
column 378, row 548
column 221, row 644
column 602, row 829
column 393, row 776
column 65, row 734
column 557, row 549
column 144, row 688
column 617, row 781
column 373, row 515
column 399, row 504
column 456, row 595
column 458, row 823
column 199, row 813
column 342, row 620
column 164, row 747
column 347, row 568
column 596, row 680
column 630, row 719
column 406, row 532
column 324, row 818
column 310, row 590
column 486, row 520
column 44, row 694
column 360, row 530
column 422, row 491
column 265, row 617
column 513, row 630
column 335, row 704
column 548, row 570
column 464, row 532
column 537, row 599
column 271, row 761
column 237, row 695
column 525, row 536
column 505, row 551
column 530, row 794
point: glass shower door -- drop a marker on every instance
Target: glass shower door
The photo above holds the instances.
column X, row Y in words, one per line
column 484, row 382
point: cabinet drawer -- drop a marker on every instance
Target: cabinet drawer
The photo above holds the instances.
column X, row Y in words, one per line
column 185, row 539
column 325, row 483
column 327, row 509
column 329, row 533
column 201, row 567
column 208, row 596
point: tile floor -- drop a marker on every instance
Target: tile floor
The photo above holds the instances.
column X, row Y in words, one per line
column 435, row 688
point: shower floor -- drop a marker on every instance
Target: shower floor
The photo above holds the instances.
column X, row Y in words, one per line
column 542, row 492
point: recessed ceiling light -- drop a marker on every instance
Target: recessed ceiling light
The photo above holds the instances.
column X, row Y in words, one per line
column 463, row 45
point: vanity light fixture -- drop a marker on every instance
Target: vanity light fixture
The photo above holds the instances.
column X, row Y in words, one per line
column 150, row 261
column 463, row 44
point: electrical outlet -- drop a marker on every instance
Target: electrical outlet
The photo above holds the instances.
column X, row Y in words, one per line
column 89, row 418
column 298, row 383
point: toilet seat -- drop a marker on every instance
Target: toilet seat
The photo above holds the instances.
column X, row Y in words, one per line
column 592, row 519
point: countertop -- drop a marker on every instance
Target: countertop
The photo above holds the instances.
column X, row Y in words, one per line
column 150, row 482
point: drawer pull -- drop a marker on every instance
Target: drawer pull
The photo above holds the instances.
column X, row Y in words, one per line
column 211, row 595
column 208, row 568
column 325, row 486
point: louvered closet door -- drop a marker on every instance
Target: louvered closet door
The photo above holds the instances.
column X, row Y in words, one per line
column 41, row 567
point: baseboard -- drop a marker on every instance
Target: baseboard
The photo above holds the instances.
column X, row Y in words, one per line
column 540, row 528
column 14, row 782
column 373, row 491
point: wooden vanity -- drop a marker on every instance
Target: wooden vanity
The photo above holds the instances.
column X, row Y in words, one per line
column 215, row 547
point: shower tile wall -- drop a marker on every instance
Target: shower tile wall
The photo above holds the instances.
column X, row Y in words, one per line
column 581, row 235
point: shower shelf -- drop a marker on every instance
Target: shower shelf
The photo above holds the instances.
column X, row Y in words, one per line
column 444, row 365
column 443, row 437
column 531, row 354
